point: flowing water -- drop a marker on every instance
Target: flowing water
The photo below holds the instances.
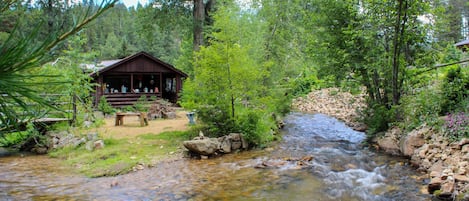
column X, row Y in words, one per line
column 341, row 169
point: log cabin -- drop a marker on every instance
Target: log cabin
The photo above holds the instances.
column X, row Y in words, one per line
column 123, row 81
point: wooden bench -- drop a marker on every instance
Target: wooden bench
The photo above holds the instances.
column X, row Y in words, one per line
column 143, row 117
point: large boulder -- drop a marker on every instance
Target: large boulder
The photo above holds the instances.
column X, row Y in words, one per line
column 389, row 143
column 209, row 146
column 206, row 146
column 413, row 141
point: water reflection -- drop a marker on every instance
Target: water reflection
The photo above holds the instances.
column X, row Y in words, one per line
column 341, row 169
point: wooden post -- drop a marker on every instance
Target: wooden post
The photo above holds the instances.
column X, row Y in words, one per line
column 131, row 89
column 161, row 85
column 74, row 108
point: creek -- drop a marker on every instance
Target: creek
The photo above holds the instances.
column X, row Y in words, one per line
column 341, row 169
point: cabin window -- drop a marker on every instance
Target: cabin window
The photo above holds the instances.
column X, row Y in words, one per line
column 170, row 85
column 116, row 84
column 146, row 83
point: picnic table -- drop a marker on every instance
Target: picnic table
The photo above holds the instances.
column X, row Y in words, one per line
column 143, row 117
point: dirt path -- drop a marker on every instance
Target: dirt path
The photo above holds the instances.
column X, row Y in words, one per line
column 132, row 128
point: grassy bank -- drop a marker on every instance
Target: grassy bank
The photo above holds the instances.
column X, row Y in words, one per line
column 120, row 156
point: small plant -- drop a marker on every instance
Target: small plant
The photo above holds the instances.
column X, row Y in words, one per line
column 456, row 126
column 142, row 104
column 104, row 106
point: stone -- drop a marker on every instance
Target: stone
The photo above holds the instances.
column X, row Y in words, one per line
column 435, row 184
column 87, row 124
column 170, row 115
column 413, row 141
column 92, row 136
column 464, row 141
column 389, row 145
column 206, row 146
column 99, row 144
column 447, row 189
column 78, row 142
column 461, row 178
column 39, row 150
column 465, row 148
column 236, row 145
column 423, row 151
column 244, row 143
column 89, row 145
column 225, row 145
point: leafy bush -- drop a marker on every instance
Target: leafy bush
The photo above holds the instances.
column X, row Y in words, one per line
column 423, row 107
column 104, row 106
column 217, row 120
column 378, row 118
column 456, row 126
column 455, row 90
column 256, row 129
column 142, row 104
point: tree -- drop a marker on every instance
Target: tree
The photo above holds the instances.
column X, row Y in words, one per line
column 228, row 88
column 21, row 55
column 375, row 42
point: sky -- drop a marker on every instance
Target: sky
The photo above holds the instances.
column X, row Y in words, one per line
column 129, row 3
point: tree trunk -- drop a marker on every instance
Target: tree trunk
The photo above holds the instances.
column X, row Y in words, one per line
column 199, row 18
column 398, row 29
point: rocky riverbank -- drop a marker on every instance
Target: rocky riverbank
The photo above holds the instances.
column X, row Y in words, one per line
column 335, row 103
column 447, row 163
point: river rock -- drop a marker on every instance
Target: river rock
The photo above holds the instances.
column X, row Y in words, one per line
column 206, row 146
column 413, row 140
column 389, row 142
column 225, row 144
column 99, row 144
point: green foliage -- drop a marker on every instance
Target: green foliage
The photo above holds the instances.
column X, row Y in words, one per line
column 378, row 118
column 13, row 138
column 216, row 120
column 142, row 104
column 422, row 107
column 455, row 89
column 231, row 76
column 257, row 129
column 17, row 139
column 22, row 53
column 104, row 106
column 303, row 85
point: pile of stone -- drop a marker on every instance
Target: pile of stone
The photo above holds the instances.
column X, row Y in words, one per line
column 333, row 102
column 57, row 140
column 161, row 109
column 446, row 162
column 205, row 146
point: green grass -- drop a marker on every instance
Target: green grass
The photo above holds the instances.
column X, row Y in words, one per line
column 119, row 156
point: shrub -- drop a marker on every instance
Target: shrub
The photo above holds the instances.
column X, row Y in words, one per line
column 423, row 107
column 217, row 120
column 378, row 118
column 257, row 129
column 104, row 106
column 455, row 90
column 142, row 104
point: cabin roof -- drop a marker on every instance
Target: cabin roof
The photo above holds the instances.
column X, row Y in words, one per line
column 462, row 43
column 107, row 65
